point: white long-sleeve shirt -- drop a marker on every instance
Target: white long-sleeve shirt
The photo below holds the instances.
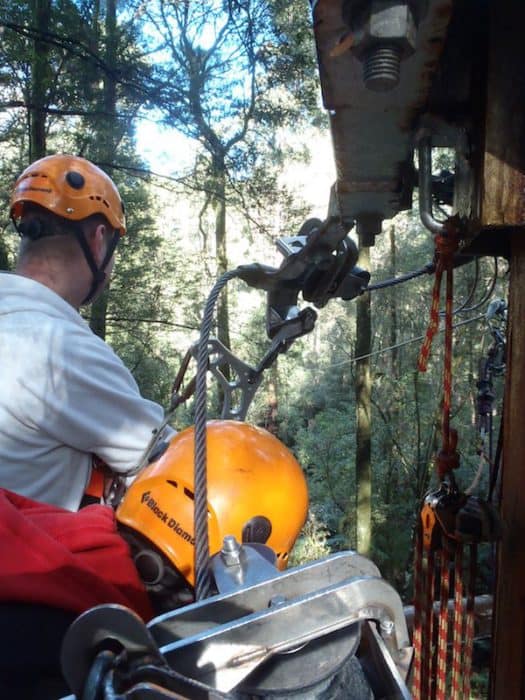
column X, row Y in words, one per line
column 64, row 396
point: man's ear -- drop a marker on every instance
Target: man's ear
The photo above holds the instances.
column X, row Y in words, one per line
column 99, row 243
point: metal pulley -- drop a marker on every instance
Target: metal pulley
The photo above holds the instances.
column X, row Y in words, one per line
column 330, row 629
column 459, row 516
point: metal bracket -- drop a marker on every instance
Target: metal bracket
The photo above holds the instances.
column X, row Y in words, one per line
column 238, row 393
column 225, row 655
column 217, row 643
column 220, row 609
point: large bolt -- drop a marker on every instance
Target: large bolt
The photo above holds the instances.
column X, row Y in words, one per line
column 384, row 33
column 381, row 67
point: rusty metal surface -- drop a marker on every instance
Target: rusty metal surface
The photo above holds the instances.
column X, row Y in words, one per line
column 373, row 132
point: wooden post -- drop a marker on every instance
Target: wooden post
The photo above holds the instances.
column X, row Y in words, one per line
column 503, row 194
column 508, row 667
column 503, row 215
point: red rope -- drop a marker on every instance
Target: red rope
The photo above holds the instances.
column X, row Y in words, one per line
column 469, row 621
column 425, row 663
column 427, row 674
column 433, row 325
column 447, row 370
column 446, row 245
column 442, row 646
column 457, row 641
column 418, row 612
column 422, row 668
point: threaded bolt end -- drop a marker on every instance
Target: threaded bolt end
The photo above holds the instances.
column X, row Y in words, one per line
column 231, row 551
column 381, row 68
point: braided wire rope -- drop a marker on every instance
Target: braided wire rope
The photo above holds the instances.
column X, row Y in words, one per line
column 202, row 546
column 427, row 269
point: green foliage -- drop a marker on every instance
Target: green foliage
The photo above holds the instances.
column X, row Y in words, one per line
column 238, row 79
column 326, row 451
column 312, row 543
column 316, row 413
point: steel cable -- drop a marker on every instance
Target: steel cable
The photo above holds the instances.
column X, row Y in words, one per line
column 428, row 269
column 202, row 548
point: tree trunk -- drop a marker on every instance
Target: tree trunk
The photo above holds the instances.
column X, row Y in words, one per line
column 40, row 81
column 107, row 140
column 363, row 469
column 392, row 415
column 393, row 306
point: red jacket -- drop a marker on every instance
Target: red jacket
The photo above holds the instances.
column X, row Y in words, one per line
column 67, row 560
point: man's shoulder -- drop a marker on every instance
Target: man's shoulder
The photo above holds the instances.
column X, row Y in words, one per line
column 23, row 296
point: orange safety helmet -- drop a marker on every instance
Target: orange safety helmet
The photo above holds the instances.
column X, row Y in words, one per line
column 256, row 491
column 70, row 187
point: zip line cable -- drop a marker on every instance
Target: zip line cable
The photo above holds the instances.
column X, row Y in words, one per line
column 427, row 269
column 402, row 344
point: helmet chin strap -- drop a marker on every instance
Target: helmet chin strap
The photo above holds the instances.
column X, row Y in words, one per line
column 99, row 274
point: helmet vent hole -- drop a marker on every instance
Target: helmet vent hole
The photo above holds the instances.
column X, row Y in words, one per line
column 189, row 493
column 99, row 199
column 173, row 483
column 75, row 180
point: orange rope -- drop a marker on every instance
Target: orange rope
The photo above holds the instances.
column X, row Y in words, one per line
column 429, row 666
column 446, row 246
column 433, row 325
column 417, row 641
column 442, row 647
column 429, row 675
column 469, row 622
column 457, row 642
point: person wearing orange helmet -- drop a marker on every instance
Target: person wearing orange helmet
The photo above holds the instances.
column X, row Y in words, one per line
column 256, row 492
column 66, row 396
